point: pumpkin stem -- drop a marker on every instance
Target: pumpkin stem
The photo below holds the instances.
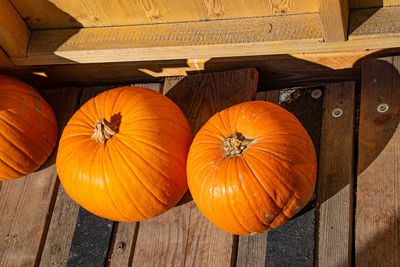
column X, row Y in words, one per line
column 104, row 130
column 235, row 144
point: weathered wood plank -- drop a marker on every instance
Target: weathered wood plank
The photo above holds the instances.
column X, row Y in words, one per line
column 183, row 236
column 125, row 234
column 43, row 14
column 14, row 33
column 204, row 39
column 4, row 60
column 373, row 3
column 252, row 249
column 374, row 23
column 335, row 19
column 377, row 223
column 26, row 204
column 210, row 39
column 57, row 243
column 292, row 244
column 336, row 177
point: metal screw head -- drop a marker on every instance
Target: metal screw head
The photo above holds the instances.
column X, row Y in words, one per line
column 337, row 112
column 121, row 247
column 382, row 108
column 316, row 93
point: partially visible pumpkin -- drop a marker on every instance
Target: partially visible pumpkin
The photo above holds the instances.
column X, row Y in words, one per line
column 251, row 167
column 28, row 129
column 122, row 155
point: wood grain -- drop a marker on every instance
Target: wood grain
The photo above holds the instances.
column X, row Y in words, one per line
column 5, row 61
column 377, row 220
column 14, row 33
column 335, row 19
column 26, row 204
column 375, row 23
column 336, row 177
column 373, row 3
column 210, row 39
column 183, row 236
column 43, row 14
column 252, row 249
column 172, row 41
column 125, row 234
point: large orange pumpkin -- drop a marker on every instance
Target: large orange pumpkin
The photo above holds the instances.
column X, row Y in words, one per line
column 122, row 155
column 28, row 129
column 251, row 167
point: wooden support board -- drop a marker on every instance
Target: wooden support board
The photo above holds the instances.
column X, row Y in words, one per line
column 335, row 179
column 183, row 236
column 26, row 204
column 252, row 249
column 14, row 33
column 335, row 19
column 377, row 220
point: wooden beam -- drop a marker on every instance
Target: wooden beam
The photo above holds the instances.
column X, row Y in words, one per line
column 335, row 19
column 208, row 39
column 205, row 39
column 335, row 179
column 377, row 220
column 5, row 60
column 14, row 33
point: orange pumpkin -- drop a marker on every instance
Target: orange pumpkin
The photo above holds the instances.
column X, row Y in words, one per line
column 28, row 129
column 122, row 155
column 251, row 167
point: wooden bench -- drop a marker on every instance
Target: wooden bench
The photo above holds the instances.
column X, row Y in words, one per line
column 353, row 220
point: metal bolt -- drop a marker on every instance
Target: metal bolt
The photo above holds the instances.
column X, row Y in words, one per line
column 121, row 247
column 382, row 108
column 337, row 112
column 284, row 96
column 316, row 93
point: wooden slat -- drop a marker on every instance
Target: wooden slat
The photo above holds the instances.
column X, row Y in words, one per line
column 335, row 19
column 43, row 14
column 252, row 249
column 377, row 220
column 375, row 23
column 183, row 236
column 173, row 41
column 373, row 3
column 335, row 180
column 293, row 244
column 14, row 33
column 26, row 203
column 4, row 60
column 125, row 235
column 209, row 39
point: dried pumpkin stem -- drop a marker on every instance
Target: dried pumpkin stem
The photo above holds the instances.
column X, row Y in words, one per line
column 235, row 144
column 104, row 130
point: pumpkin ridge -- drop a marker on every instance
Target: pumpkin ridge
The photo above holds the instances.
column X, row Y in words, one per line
column 159, row 171
column 14, row 164
column 106, row 159
column 12, row 168
column 301, row 173
column 124, row 188
column 247, row 197
column 156, row 119
column 24, row 153
column 277, row 179
column 137, row 177
column 229, row 200
column 28, row 137
column 152, row 146
column 274, row 154
column 258, row 180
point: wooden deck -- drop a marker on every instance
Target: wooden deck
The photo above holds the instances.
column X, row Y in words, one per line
column 354, row 218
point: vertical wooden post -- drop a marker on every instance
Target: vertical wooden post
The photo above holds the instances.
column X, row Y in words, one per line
column 335, row 19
